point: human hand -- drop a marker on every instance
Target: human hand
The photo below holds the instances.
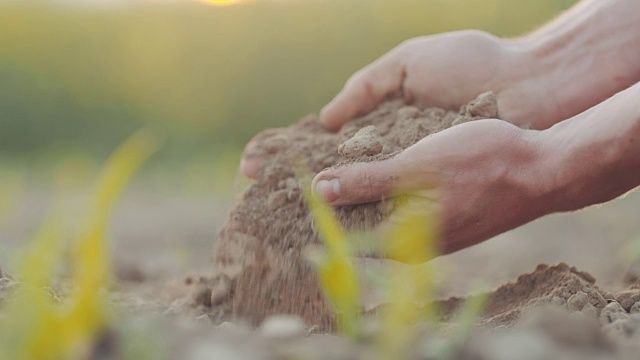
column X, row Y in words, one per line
column 481, row 177
column 446, row 70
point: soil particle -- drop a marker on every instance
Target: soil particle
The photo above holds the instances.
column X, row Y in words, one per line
column 628, row 298
column 484, row 106
column 261, row 248
column 577, row 301
column 613, row 312
column 366, row 142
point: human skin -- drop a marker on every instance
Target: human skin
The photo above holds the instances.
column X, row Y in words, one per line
column 504, row 176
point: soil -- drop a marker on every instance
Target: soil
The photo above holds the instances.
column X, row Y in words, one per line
column 259, row 259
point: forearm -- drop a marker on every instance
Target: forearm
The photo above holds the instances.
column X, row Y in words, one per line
column 595, row 156
column 583, row 57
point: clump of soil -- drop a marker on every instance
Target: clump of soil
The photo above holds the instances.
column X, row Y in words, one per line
column 560, row 286
column 259, row 262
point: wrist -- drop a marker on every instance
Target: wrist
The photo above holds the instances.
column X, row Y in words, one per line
column 581, row 59
column 587, row 160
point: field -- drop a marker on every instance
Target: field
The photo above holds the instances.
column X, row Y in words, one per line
column 76, row 81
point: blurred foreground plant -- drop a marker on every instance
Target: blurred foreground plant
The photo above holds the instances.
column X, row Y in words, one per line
column 337, row 273
column 37, row 326
column 409, row 236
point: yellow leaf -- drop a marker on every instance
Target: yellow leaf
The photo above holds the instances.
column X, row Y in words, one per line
column 337, row 273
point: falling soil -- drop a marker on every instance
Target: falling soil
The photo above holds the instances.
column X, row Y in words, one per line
column 259, row 259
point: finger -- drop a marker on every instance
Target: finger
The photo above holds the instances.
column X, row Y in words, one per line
column 364, row 91
column 358, row 183
column 249, row 167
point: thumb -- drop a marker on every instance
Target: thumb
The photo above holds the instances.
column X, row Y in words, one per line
column 358, row 183
column 364, row 91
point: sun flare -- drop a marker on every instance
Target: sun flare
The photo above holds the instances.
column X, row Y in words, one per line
column 224, row 2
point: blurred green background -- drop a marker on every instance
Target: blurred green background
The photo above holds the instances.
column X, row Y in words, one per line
column 77, row 77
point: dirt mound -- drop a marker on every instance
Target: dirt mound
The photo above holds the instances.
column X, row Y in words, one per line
column 259, row 257
column 559, row 285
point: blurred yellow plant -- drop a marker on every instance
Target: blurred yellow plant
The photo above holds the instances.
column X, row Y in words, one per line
column 336, row 271
column 35, row 326
column 409, row 237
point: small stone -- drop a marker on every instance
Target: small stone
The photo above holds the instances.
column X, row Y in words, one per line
column 577, row 301
column 282, row 327
column 366, row 142
column 484, row 106
column 612, row 312
column 628, row 298
column 635, row 309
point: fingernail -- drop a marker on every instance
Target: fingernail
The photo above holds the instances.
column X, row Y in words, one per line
column 328, row 190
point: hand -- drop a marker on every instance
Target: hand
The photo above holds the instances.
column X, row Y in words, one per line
column 482, row 175
column 445, row 70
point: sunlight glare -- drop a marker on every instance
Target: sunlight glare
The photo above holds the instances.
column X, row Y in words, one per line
column 224, row 2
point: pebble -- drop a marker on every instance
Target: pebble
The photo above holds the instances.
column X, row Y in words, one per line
column 366, row 142
column 635, row 309
column 628, row 298
column 484, row 106
column 590, row 311
column 577, row 301
column 612, row 312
